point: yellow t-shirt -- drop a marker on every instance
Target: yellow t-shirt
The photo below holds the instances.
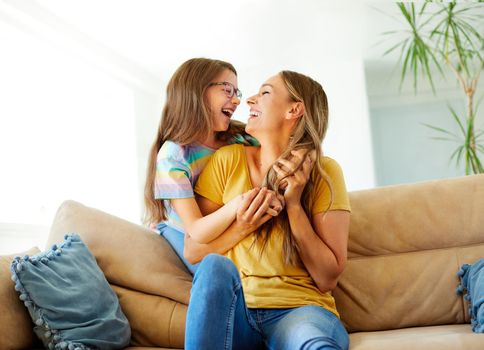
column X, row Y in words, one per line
column 267, row 281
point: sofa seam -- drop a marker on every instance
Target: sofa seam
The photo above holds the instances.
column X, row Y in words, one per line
column 461, row 299
column 145, row 293
column 362, row 257
column 169, row 325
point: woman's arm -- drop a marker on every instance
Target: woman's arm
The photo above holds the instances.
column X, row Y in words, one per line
column 322, row 241
column 252, row 212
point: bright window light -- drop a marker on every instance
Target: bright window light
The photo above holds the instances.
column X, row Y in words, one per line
column 67, row 131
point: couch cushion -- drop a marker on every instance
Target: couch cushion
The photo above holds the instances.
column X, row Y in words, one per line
column 16, row 327
column 450, row 337
column 419, row 216
column 69, row 299
column 130, row 255
column 397, row 291
column 406, row 244
column 404, row 290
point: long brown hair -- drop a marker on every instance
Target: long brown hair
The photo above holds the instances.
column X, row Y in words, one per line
column 308, row 134
column 185, row 119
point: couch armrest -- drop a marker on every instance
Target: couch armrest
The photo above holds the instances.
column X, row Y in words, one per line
column 130, row 255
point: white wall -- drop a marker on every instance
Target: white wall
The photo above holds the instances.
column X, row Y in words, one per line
column 67, row 129
column 405, row 149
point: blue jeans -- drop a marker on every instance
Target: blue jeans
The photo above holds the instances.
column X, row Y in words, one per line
column 176, row 239
column 218, row 317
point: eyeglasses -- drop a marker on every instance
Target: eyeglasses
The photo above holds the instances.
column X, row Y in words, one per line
column 230, row 90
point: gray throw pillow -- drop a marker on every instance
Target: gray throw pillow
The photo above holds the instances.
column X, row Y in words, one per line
column 69, row 299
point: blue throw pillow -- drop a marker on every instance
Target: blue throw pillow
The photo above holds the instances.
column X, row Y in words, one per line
column 69, row 299
column 472, row 282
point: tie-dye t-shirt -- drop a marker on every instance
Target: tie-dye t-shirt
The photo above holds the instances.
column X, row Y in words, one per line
column 177, row 171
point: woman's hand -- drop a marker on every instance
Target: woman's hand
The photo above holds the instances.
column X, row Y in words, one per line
column 293, row 185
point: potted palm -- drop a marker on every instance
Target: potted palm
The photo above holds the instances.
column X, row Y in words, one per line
column 442, row 37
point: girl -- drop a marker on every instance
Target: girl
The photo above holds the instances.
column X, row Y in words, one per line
column 201, row 97
column 272, row 289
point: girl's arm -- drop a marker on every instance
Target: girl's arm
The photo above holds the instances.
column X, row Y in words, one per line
column 252, row 213
column 204, row 229
column 323, row 240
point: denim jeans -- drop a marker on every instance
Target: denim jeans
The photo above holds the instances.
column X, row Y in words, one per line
column 218, row 317
column 176, row 239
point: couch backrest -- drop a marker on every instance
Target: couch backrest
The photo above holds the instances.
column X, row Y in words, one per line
column 406, row 244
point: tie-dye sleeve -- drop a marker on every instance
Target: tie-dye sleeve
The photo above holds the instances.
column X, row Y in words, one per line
column 172, row 177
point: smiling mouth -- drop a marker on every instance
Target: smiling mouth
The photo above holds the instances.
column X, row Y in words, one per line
column 227, row 112
column 255, row 114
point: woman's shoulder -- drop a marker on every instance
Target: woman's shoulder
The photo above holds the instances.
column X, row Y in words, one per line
column 329, row 162
column 229, row 156
column 230, row 150
column 334, row 175
column 331, row 167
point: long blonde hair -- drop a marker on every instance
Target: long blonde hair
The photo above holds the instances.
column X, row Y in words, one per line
column 308, row 134
column 185, row 119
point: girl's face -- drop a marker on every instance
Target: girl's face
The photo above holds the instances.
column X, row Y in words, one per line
column 269, row 108
column 222, row 105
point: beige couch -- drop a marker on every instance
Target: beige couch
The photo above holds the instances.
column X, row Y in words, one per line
column 398, row 291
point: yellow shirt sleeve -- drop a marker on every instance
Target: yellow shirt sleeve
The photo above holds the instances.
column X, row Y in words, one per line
column 322, row 192
column 213, row 179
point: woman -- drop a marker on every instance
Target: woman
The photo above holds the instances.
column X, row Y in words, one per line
column 272, row 289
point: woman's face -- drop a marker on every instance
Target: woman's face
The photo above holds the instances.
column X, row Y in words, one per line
column 222, row 105
column 268, row 108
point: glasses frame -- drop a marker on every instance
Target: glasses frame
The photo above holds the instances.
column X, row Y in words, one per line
column 233, row 90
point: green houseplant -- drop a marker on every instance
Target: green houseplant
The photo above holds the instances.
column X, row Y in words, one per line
column 440, row 36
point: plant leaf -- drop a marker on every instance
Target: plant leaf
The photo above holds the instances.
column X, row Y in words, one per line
column 457, row 119
column 440, row 130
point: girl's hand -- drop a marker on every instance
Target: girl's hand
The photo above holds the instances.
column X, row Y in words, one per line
column 257, row 206
column 293, row 185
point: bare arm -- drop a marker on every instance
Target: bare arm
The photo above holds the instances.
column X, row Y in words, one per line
column 323, row 239
column 204, row 229
column 194, row 252
column 322, row 243
column 252, row 213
